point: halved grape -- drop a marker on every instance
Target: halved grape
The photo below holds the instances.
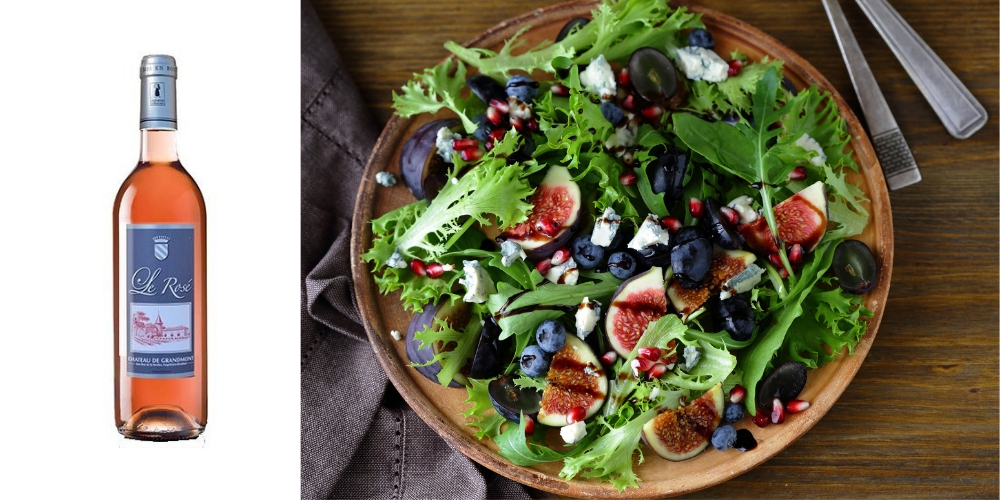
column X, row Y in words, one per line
column 652, row 74
column 855, row 267
column 573, row 23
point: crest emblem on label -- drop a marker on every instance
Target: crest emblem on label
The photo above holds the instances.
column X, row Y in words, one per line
column 160, row 250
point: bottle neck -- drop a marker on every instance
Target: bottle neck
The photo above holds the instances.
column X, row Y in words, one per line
column 158, row 146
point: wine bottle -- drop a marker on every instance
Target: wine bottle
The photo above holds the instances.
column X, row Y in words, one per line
column 159, row 278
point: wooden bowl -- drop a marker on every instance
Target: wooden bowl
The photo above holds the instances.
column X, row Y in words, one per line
column 441, row 407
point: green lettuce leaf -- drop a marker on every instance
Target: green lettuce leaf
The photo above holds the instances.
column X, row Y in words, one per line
column 515, row 446
column 609, row 457
column 834, row 322
column 438, row 88
column 459, row 343
column 482, row 415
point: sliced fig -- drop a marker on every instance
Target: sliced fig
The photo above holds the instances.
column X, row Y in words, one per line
column 639, row 301
column 570, row 26
column 511, row 401
column 725, row 265
column 691, row 257
column 454, row 313
column 801, row 219
column 718, row 230
column 784, row 383
column 551, row 222
column 419, row 162
column 652, row 74
column 575, row 380
column 683, row 433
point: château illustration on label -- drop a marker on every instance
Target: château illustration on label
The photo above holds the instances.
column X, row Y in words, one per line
column 159, row 278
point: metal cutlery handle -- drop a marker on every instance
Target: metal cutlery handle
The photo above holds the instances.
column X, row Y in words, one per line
column 961, row 114
column 898, row 166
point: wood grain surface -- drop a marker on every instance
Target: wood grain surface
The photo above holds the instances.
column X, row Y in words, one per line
column 921, row 417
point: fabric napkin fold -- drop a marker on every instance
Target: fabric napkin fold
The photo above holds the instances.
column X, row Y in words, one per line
column 359, row 439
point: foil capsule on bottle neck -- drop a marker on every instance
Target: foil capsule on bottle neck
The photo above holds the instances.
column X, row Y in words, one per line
column 158, row 104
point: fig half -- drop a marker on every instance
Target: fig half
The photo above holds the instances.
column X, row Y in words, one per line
column 575, row 379
column 454, row 313
column 683, row 433
column 424, row 172
column 725, row 265
column 639, row 301
column 802, row 219
column 556, row 208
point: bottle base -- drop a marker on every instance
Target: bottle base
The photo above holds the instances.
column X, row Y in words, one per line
column 161, row 423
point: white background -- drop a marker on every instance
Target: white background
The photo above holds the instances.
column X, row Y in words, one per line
column 69, row 104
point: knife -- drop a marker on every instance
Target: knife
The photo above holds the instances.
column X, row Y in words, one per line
column 960, row 112
column 898, row 166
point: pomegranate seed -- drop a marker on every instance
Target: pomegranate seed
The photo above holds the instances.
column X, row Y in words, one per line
column 673, row 224
column 697, row 209
column 783, row 272
column 795, row 255
column 642, row 364
column 418, row 267
column 560, row 256
column 797, row 173
column 533, row 125
column 547, row 227
column 496, row 135
column 737, row 394
column 517, row 123
column 627, row 178
column 609, row 358
column 493, row 115
column 652, row 112
column 560, row 90
column 471, row 154
column 500, row 106
column 628, row 104
column 434, row 270
column 735, row 66
column 761, row 419
column 777, row 412
column 796, row 406
column 670, row 361
column 543, row 266
column 657, row 371
column 529, row 426
column 650, row 353
column 460, row 144
column 775, row 260
column 575, row 414
column 623, row 77
column 730, row 216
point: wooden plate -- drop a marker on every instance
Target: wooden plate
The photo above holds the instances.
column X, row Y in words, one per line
column 441, row 407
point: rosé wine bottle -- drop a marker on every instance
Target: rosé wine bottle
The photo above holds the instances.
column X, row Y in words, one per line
column 159, row 278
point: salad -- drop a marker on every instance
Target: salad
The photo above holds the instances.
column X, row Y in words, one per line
column 624, row 238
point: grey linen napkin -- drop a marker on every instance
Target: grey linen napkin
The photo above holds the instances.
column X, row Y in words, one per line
column 359, row 439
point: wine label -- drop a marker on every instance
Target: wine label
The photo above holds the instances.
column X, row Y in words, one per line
column 160, row 260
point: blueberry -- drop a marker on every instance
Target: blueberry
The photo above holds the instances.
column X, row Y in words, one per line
column 534, row 361
column 522, row 87
column 551, row 336
column 486, row 88
column 733, row 413
column 586, row 254
column 701, row 38
column 724, row 437
column 483, row 127
column 612, row 113
column 621, row 265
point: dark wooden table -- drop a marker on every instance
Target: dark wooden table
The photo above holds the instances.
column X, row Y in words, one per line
column 921, row 418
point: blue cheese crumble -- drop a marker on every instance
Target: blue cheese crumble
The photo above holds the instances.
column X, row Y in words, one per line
column 477, row 282
column 573, row 432
column 692, row 355
column 742, row 282
column 396, row 261
column 564, row 274
column 809, row 144
column 586, row 317
column 605, row 228
column 445, row 146
column 511, row 251
column 624, row 136
column 743, row 205
column 649, row 234
column 385, row 178
column 599, row 78
column 699, row 63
